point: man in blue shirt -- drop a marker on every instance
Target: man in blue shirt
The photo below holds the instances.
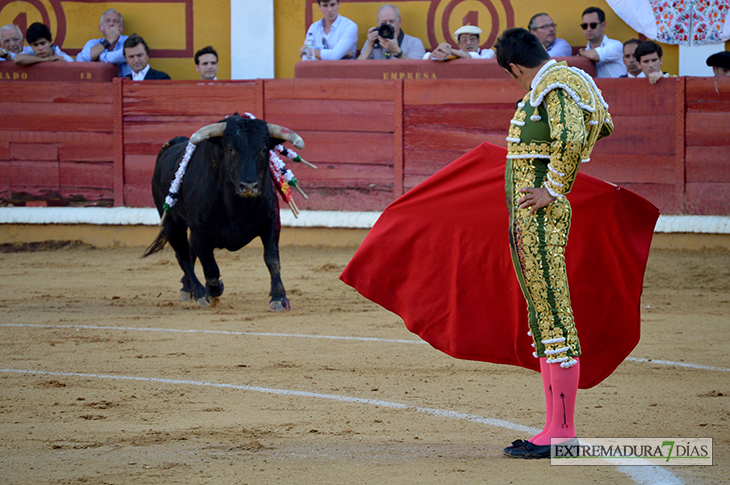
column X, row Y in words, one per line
column 110, row 47
column 334, row 37
column 545, row 30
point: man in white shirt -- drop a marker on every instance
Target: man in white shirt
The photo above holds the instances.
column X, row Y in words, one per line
column 545, row 30
column 334, row 36
column 110, row 48
column 399, row 45
column 649, row 57
column 468, row 38
column 11, row 42
column 606, row 53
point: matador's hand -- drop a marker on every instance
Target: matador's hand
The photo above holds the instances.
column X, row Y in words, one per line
column 535, row 199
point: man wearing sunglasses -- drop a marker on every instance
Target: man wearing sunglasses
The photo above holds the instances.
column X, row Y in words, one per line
column 606, row 53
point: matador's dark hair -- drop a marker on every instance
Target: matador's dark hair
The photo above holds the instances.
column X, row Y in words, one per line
column 519, row 46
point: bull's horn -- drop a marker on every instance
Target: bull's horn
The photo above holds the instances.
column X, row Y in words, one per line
column 216, row 129
column 282, row 133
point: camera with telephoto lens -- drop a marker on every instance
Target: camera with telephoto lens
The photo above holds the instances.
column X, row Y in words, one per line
column 385, row 31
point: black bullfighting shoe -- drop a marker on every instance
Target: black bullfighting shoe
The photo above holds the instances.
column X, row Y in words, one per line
column 515, row 444
column 530, row 450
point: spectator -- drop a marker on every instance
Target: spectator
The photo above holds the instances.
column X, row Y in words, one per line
column 720, row 63
column 110, row 48
column 545, row 30
column 41, row 47
column 606, row 53
column 11, row 42
column 398, row 46
column 206, row 63
column 334, row 36
column 630, row 60
column 137, row 54
column 649, row 57
column 468, row 38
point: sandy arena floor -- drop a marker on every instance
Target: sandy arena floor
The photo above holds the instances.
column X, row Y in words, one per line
column 106, row 377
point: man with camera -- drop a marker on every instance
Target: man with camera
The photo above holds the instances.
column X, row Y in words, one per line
column 388, row 41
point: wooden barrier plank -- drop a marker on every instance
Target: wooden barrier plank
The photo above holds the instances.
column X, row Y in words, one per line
column 118, row 143
column 439, row 138
column 345, row 147
column 708, row 164
column 339, row 175
column 33, row 151
column 640, row 134
column 86, row 147
column 708, row 129
column 465, row 116
column 708, row 198
column 29, row 174
column 662, row 196
column 138, row 196
column 56, row 92
column 637, row 97
column 332, row 115
column 329, row 89
column 85, row 117
column 462, row 91
column 189, row 98
column 634, row 168
column 708, row 94
column 86, row 175
column 138, row 169
column 86, row 196
column 343, row 199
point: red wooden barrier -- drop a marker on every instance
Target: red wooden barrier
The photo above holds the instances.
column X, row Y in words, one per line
column 96, row 143
column 56, row 142
column 708, row 146
column 86, row 72
column 416, row 69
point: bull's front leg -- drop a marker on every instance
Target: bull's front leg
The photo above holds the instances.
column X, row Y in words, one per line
column 178, row 239
column 213, row 283
column 279, row 302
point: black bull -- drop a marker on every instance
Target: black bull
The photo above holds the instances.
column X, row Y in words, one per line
column 227, row 198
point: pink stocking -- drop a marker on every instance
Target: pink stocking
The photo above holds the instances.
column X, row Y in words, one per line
column 565, row 387
column 547, row 387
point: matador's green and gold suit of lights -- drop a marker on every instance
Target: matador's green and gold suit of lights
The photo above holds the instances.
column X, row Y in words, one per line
column 553, row 131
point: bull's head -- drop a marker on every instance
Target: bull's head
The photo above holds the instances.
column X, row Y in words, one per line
column 245, row 145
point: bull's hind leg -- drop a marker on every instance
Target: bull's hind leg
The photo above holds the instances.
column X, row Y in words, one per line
column 279, row 302
column 186, row 259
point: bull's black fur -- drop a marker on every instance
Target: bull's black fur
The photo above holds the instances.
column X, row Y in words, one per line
column 226, row 199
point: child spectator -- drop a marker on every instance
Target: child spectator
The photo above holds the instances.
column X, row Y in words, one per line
column 41, row 47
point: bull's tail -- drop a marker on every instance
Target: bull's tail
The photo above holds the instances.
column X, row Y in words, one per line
column 157, row 244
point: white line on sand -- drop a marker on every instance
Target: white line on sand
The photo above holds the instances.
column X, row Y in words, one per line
column 639, row 474
column 331, row 337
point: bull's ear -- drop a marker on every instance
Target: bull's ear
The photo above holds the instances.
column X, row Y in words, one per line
column 285, row 134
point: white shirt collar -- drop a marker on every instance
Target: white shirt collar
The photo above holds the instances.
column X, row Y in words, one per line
column 139, row 76
column 541, row 72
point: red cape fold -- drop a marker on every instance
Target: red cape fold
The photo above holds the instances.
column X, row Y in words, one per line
column 439, row 258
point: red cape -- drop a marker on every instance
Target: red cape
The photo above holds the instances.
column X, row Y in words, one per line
column 439, row 257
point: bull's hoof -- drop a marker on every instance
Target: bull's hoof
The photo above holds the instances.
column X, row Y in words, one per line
column 280, row 305
column 214, row 290
column 214, row 302
column 204, row 301
column 185, row 295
